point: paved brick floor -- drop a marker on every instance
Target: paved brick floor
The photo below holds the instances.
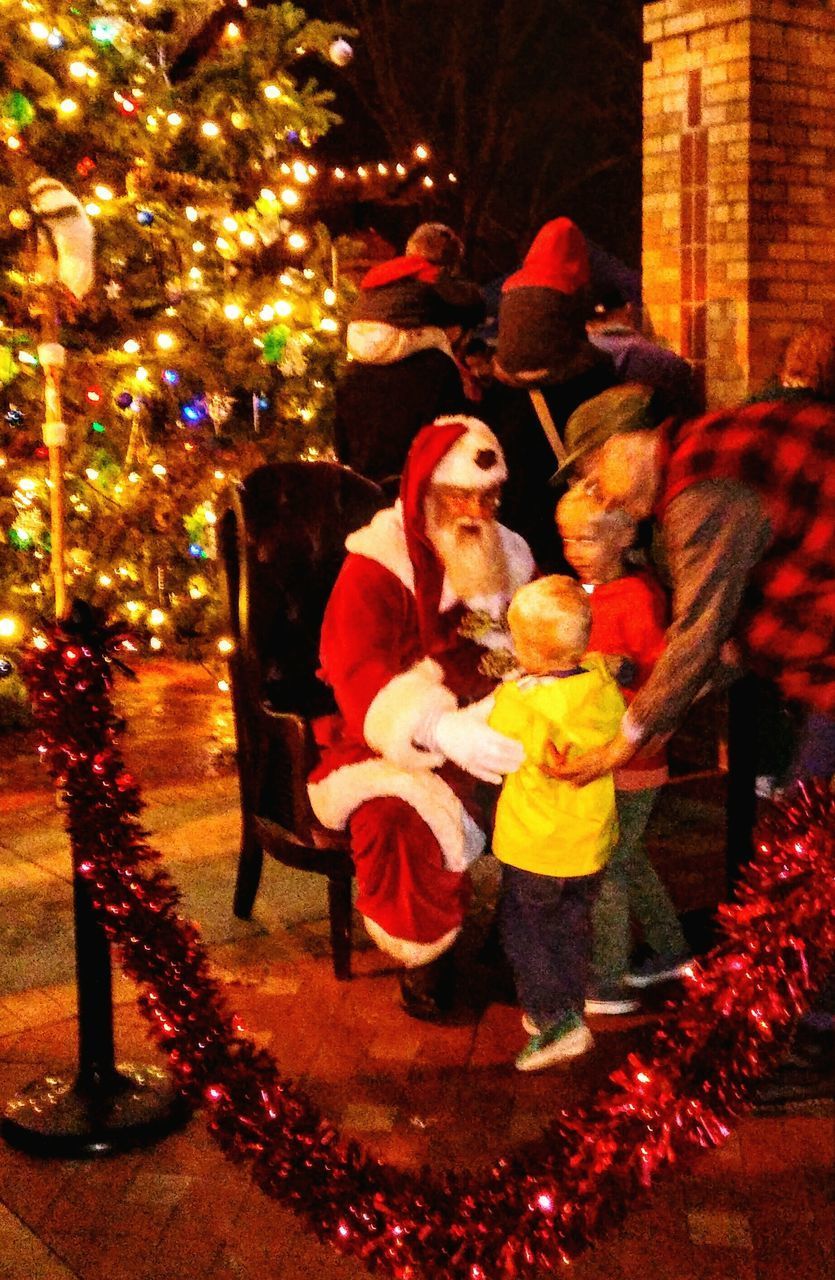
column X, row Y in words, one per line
column 760, row 1208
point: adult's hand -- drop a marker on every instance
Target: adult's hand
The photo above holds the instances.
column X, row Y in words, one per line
column 582, row 769
column 468, row 742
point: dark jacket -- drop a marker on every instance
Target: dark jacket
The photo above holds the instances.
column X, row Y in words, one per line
column 529, row 499
column 381, row 407
column 639, row 359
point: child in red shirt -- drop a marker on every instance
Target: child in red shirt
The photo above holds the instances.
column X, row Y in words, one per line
column 628, row 621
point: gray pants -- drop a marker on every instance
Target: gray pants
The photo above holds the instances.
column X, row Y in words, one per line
column 631, row 890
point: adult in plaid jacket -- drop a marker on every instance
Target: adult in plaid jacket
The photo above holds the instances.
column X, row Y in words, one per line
column 745, row 500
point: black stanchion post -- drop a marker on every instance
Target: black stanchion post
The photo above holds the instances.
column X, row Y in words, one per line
column 104, row 1108
column 94, row 981
column 741, row 802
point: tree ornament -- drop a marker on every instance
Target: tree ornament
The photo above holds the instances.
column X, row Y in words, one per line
column 275, row 340
column 124, row 399
column 105, row 30
column 6, row 669
column 340, row 52
column 144, row 217
column 65, row 236
column 219, row 406
column 14, row 416
column 16, row 106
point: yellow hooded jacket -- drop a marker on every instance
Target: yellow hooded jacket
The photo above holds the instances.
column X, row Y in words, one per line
column 543, row 824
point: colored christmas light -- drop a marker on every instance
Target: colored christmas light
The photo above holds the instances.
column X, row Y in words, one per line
column 153, row 181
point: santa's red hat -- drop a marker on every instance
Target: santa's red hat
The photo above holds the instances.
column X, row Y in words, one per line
column 458, row 451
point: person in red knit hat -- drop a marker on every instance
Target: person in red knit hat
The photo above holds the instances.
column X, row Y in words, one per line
column 542, row 348
column 543, row 311
column 629, row 616
column 414, row 633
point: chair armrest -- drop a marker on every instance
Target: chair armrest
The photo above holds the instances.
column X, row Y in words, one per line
column 289, row 755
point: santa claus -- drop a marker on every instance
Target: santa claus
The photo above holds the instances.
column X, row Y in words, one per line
column 414, row 636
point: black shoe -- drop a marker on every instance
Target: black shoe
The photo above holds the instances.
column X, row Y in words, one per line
column 791, row 1083
column 807, row 1075
column 428, row 992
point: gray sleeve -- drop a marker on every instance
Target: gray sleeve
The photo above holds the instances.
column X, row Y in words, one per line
column 714, row 534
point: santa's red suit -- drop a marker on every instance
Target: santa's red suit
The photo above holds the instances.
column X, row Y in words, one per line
column 399, row 650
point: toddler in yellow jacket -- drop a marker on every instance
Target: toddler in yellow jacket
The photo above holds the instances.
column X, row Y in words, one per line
column 552, row 837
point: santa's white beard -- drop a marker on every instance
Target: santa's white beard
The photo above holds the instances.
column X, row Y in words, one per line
column 472, row 556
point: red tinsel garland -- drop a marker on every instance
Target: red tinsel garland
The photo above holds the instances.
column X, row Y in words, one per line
column 532, row 1210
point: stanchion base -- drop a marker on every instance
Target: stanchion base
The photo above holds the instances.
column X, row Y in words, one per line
column 56, row 1116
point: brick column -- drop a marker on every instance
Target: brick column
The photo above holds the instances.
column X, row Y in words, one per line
column 739, row 181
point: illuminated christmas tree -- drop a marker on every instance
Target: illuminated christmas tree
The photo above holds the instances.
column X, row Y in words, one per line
column 169, row 144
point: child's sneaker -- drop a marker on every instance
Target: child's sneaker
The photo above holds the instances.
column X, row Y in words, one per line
column 657, row 968
column 568, row 1038
column 611, row 998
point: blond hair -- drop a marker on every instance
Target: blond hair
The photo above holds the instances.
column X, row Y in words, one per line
column 809, row 360
column 582, row 504
column 552, row 614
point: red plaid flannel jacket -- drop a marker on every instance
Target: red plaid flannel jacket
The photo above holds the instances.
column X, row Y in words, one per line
column 785, row 451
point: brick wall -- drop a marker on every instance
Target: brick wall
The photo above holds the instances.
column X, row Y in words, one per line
column 739, row 180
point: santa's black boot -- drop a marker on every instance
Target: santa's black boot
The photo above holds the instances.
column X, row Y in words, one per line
column 428, row 991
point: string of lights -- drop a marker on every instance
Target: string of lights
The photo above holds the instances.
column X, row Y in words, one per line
column 210, row 338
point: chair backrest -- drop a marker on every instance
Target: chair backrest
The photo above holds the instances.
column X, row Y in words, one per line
column 283, row 543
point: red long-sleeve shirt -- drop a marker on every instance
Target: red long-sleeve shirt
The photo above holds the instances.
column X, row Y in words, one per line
column 629, row 618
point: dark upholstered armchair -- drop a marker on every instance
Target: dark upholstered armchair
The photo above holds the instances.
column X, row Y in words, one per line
column 282, row 543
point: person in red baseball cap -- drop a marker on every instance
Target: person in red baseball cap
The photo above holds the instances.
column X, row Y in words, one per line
column 414, row 635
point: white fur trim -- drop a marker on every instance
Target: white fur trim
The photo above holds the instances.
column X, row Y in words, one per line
column 372, row 342
column 401, row 712
column 384, row 542
column 458, row 466
column 338, row 795
column 411, row 954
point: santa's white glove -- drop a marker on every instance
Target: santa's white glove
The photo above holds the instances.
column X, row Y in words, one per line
column 467, row 741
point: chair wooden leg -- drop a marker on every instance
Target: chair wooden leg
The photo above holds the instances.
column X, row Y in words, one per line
column 339, row 911
column 250, row 862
